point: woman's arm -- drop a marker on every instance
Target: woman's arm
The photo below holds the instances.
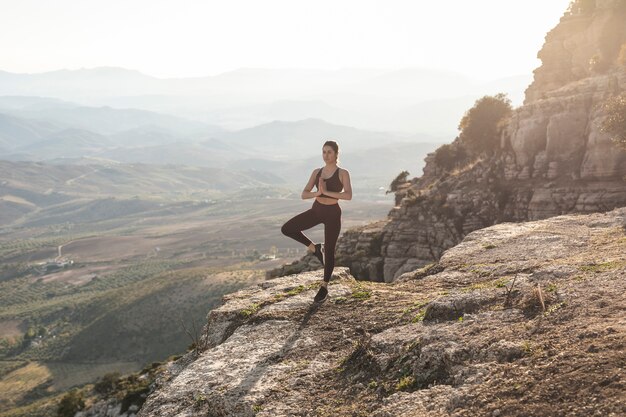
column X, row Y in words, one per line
column 307, row 193
column 346, row 194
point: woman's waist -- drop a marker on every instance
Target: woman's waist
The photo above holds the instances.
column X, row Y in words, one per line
column 326, row 201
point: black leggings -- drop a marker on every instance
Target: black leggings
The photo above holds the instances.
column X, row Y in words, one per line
column 330, row 215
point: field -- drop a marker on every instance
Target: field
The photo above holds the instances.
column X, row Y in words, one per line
column 130, row 286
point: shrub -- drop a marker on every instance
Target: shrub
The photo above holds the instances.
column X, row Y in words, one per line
column 400, row 179
column 70, row 404
column 615, row 122
column 107, row 384
column 450, row 156
column 480, row 126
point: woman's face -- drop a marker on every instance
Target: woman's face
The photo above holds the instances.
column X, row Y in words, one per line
column 329, row 155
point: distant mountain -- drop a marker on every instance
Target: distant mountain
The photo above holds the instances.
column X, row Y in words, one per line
column 293, row 140
column 369, row 99
column 192, row 154
column 16, row 132
column 104, row 120
column 67, row 143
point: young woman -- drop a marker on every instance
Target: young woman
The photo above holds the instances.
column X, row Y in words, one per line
column 330, row 181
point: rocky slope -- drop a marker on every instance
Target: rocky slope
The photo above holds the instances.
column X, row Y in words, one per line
column 553, row 159
column 518, row 319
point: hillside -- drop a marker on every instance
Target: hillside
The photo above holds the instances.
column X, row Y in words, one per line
column 516, row 320
column 549, row 156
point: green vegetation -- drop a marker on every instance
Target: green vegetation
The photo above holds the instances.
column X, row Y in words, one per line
column 400, row 179
column 554, row 307
column 419, row 316
column 602, row 267
column 450, row 156
column 405, row 383
column 297, row 290
column 70, row 404
column 360, row 292
column 415, row 306
column 480, row 126
column 247, row 312
column 107, row 383
column 496, row 283
column 615, row 122
column 67, row 323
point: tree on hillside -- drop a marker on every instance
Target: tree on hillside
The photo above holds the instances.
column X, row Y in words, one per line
column 615, row 122
column 450, row 156
column 400, row 179
column 70, row 404
column 480, row 126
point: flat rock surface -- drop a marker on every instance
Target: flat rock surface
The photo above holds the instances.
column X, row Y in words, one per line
column 517, row 320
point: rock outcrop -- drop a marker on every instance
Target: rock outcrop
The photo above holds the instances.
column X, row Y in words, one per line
column 518, row 319
column 552, row 159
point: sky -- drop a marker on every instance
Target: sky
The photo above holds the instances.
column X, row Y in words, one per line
column 483, row 39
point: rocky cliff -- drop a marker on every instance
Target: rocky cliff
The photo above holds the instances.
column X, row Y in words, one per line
column 552, row 159
column 518, row 319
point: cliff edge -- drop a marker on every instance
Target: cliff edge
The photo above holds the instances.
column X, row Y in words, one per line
column 518, row 319
column 551, row 156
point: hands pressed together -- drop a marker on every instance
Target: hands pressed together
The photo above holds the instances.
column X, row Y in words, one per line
column 321, row 187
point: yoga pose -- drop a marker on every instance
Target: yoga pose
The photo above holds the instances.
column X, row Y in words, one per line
column 330, row 181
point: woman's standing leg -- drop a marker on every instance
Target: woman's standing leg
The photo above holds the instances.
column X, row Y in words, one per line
column 332, row 228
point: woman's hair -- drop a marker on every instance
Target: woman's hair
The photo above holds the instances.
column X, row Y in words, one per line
column 333, row 145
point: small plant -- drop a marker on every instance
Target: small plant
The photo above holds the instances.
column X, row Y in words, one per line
column 70, row 404
column 551, row 287
column 554, row 308
column 405, row 383
column 254, row 307
column 256, row 408
column 500, row 283
column 297, row 290
column 615, row 122
column 419, row 316
column 361, row 293
column 602, row 267
column 531, row 348
column 199, row 399
column 415, row 306
column 372, row 384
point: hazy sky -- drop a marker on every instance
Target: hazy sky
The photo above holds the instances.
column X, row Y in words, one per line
column 484, row 39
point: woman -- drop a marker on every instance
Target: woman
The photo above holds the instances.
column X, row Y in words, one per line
column 330, row 181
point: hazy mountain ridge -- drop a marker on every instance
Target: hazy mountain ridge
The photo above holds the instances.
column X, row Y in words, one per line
column 248, row 97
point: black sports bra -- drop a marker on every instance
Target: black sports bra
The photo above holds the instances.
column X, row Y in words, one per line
column 332, row 183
